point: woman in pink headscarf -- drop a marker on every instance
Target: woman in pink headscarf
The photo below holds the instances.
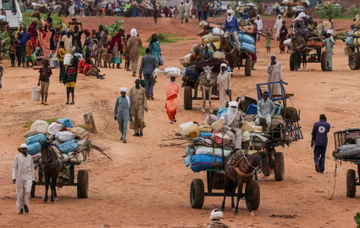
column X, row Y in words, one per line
column 44, row 39
column 33, row 34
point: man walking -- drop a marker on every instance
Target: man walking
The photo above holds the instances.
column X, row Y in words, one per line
column 148, row 65
column 134, row 44
column 138, row 103
column 44, row 81
column 199, row 11
column 23, row 175
column 275, row 75
column 320, row 140
column 122, row 112
column 23, row 36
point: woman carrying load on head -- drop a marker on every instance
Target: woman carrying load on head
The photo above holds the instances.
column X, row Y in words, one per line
column 33, row 34
column 155, row 49
column 172, row 90
column 44, row 39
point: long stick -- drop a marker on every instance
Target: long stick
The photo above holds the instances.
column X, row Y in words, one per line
column 101, row 150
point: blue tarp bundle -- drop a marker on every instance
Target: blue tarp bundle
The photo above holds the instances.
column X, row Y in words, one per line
column 203, row 162
column 244, row 38
column 66, row 122
column 68, row 147
column 35, row 139
column 248, row 48
column 33, row 148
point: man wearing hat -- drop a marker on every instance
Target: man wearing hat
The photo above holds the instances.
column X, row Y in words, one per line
column 265, row 110
column 122, row 112
column 320, row 140
column 329, row 43
column 23, row 175
column 138, row 102
column 215, row 217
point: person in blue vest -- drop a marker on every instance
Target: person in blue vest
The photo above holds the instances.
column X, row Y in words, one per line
column 320, row 140
column 232, row 27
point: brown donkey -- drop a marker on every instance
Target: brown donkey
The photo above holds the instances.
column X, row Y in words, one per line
column 243, row 173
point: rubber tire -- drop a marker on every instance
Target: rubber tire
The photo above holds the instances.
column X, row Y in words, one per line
column 83, row 184
column 33, row 188
column 350, row 183
column 197, row 194
column 248, row 65
column 255, row 196
column 279, row 168
column 323, row 61
column 354, row 61
column 294, row 57
column 187, row 98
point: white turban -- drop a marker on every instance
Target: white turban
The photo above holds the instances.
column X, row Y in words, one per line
column 330, row 32
column 233, row 103
column 23, row 146
column 302, row 15
column 216, row 214
column 223, row 64
column 133, row 32
column 230, row 11
column 122, row 90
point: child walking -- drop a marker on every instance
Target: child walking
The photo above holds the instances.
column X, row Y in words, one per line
column 61, row 54
column 29, row 48
column 12, row 52
column 44, row 81
column 127, row 50
column 268, row 43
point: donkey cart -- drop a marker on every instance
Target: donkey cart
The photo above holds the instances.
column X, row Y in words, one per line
column 348, row 138
column 216, row 181
column 67, row 179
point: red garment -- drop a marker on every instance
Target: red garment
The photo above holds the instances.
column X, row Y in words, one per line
column 166, row 12
column 172, row 90
column 253, row 57
column 87, row 68
column 82, row 65
column 116, row 38
column 87, row 32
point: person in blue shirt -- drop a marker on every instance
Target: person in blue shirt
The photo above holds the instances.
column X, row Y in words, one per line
column 320, row 140
column 245, row 16
column 23, row 36
column 232, row 27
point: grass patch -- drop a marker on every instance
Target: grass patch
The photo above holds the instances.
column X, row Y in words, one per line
column 27, row 19
column 142, row 51
column 49, row 121
column 165, row 38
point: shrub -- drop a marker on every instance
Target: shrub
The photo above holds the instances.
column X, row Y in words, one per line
column 352, row 10
column 329, row 10
column 113, row 28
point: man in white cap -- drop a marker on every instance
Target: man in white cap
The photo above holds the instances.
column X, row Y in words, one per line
column 182, row 11
column 275, row 75
column 138, row 101
column 265, row 110
column 232, row 27
column 299, row 25
column 122, row 112
column 329, row 43
column 224, row 83
column 23, row 175
column 260, row 26
column 215, row 217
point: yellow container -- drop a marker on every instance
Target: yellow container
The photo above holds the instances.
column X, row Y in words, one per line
column 205, row 128
column 218, row 125
column 248, row 126
column 357, row 23
column 194, row 131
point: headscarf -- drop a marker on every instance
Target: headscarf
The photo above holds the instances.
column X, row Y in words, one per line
column 231, row 112
column 122, row 90
column 225, row 65
column 137, row 79
column 32, row 27
column 301, row 16
column 133, row 32
column 330, row 32
column 216, row 214
column 153, row 40
column 23, row 146
column 229, row 18
column 116, row 38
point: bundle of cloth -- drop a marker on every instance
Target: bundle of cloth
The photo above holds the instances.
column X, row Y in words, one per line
column 71, row 142
column 347, row 151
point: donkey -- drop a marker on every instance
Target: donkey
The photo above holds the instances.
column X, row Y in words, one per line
column 207, row 81
column 51, row 166
column 243, row 173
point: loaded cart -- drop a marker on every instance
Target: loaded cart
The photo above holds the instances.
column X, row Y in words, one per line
column 352, row 41
column 66, row 178
column 347, row 148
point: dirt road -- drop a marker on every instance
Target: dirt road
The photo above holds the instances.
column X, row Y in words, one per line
column 148, row 186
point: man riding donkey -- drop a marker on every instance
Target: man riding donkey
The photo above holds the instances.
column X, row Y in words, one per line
column 232, row 28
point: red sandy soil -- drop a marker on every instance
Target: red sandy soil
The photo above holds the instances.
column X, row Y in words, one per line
column 148, row 186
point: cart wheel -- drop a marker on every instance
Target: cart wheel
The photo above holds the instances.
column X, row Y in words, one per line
column 248, row 65
column 255, row 194
column 350, row 183
column 295, row 61
column 187, row 98
column 32, row 193
column 197, row 194
column 83, row 184
column 279, row 166
column 354, row 61
column 323, row 61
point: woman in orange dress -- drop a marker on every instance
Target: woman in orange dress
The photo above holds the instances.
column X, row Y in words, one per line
column 44, row 39
column 172, row 90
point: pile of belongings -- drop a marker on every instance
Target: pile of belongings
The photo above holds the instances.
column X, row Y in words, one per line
column 347, row 151
column 72, row 142
column 210, row 143
column 353, row 39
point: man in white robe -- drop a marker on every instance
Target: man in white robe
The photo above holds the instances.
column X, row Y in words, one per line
column 187, row 10
column 275, row 75
column 232, row 124
column 265, row 110
column 277, row 27
column 224, row 83
column 260, row 26
column 23, row 175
